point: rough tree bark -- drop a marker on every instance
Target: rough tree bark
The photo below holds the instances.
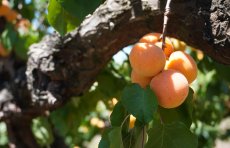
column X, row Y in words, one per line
column 60, row 67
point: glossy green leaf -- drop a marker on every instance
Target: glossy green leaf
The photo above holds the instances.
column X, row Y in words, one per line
column 141, row 103
column 118, row 115
column 79, row 8
column 182, row 113
column 115, row 138
column 173, row 135
column 60, row 19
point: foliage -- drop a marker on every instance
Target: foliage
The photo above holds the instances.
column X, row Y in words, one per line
column 139, row 102
column 3, row 135
column 66, row 15
column 56, row 15
column 43, row 131
column 163, row 132
column 173, row 135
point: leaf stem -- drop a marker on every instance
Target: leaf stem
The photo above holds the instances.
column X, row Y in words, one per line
column 124, row 120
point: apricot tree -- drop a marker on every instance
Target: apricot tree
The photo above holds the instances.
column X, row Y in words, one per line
column 66, row 64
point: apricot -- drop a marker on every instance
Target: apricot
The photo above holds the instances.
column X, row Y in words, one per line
column 168, row 50
column 154, row 38
column 171, row 88
column 8, row 13
column 177, row 44
column 11, row 16
column 4, row 10
column 150, row 38
column 141, row 80
column 147, row 59
column 23, row 26
column 183, row 63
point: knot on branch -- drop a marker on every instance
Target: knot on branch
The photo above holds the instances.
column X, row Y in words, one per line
column 42, row 77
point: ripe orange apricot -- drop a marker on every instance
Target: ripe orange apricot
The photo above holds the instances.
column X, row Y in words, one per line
column 150, row 38
column 9, row 14
column 141, row 80
column 168, row 50
column 154, row 38
column 147, row 59
column 171, row 88
column 183, row 63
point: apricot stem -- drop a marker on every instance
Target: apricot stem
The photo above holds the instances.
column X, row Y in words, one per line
column 166, row 18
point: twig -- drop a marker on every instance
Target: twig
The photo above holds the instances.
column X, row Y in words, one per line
column 166, row 18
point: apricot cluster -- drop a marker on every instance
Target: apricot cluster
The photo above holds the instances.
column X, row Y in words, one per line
column 168, row 72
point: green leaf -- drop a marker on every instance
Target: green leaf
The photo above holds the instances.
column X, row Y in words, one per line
column 23, row 43
column 174, row 135
column 142, row 103
column 104, row 142
column 115, row 138
column 3, row 133
column 110, row 85
column 79, row 8
column 9, row 37
column 222, row 71
column 60, row 19
column 182, row 113
column 118, row 115
column 42, row 131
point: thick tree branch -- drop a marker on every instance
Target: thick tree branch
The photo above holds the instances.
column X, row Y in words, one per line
column 61, row 67
column 20, row 134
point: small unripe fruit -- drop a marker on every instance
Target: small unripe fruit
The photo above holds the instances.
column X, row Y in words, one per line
column 141, row 80
column 171, row 88
column 147, row 59
column 183, row 63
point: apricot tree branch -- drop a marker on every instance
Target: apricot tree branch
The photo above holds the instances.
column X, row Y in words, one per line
column 59, row 68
